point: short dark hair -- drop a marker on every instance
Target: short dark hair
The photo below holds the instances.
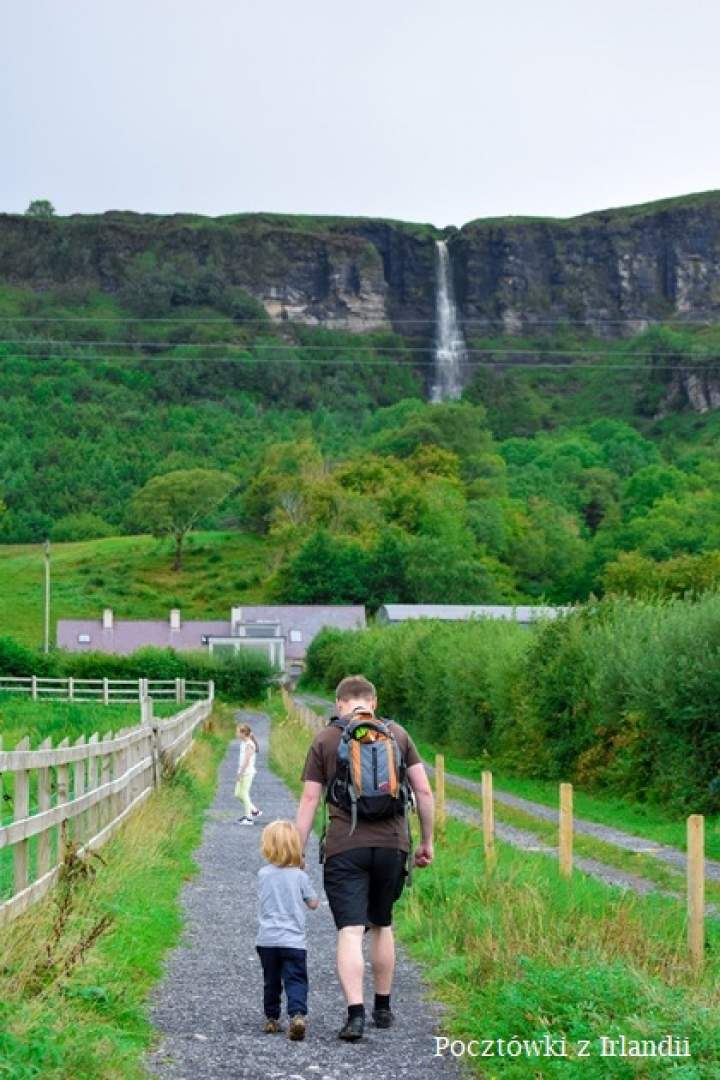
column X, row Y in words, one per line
column 354, row 686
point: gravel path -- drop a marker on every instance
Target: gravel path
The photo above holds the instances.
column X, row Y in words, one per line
column 208, row 1006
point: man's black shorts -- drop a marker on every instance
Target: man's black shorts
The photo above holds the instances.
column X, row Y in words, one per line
column 363, row 884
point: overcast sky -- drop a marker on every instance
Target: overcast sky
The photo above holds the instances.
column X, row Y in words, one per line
column 439, row 112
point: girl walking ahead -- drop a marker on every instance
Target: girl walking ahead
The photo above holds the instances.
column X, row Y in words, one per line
column 246, row 773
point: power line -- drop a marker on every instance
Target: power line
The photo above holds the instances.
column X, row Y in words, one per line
column 489, row 321
column 567, row 366
column 490, row 350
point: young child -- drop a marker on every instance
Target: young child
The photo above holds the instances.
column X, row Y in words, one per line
column 284, row 891
column 246, row 773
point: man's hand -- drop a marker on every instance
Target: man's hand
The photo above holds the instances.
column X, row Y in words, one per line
column 307, row 806
column 423, row 855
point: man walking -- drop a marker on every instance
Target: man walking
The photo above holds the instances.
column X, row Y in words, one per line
column 367, row 843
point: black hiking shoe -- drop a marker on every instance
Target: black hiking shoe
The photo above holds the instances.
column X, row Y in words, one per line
column 353, row 1029
column 383, row 1018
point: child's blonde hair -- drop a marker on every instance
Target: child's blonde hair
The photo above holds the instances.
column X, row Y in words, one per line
column 281, row 844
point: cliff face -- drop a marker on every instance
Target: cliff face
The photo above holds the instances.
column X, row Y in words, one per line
column 616, row 269
column 356, row 275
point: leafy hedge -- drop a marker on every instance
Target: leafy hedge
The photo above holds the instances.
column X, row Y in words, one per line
column 620, row 695
column 239, row 678
column 452, row 682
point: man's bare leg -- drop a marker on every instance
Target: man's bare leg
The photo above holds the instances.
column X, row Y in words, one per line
column 350, row 963
column 382, row 957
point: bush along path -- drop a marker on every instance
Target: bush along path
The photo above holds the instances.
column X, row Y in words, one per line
column 208, row 1006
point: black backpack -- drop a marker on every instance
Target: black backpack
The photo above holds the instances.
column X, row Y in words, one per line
column 370, row 779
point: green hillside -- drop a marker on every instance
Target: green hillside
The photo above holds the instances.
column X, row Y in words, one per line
column 132, row 575
column 573, row 464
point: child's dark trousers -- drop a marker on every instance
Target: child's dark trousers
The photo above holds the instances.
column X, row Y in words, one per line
column 284, row 968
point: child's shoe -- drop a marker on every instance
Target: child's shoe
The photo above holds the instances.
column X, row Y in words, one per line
column 271, row 1026
column 256, row 812
column 246, row 821
column 296, row 1029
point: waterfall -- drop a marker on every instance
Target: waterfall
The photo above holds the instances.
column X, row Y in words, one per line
column 449, row 343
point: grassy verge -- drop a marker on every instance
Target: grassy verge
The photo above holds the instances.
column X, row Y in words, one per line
column 517, row 954
column 664, row 875
column 87, row 1021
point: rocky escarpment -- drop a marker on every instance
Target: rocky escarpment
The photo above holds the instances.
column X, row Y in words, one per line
column 353, row 274
column 613, row 271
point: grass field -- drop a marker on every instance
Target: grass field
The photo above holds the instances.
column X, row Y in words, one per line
column 132, row 575
column 88, row 1021
column 517, row 953
column 67, row 719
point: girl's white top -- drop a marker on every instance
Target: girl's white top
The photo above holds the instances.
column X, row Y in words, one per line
column 246, row 761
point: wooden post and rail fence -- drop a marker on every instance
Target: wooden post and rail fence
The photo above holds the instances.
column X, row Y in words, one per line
column 105, row 691
column 300, row 713
column 81, row 793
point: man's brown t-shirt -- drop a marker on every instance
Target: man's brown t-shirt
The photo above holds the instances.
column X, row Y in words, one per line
column 320, row 765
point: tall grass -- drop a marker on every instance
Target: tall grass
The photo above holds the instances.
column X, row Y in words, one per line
column 19, row 716
column 90, row 1022
column 519, row 953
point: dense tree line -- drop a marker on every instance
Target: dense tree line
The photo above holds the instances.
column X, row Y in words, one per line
column 363, row 491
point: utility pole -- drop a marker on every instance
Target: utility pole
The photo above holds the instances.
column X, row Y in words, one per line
column 46, row 639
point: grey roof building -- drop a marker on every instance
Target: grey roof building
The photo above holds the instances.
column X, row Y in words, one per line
column 521, row 613
column 283, row 633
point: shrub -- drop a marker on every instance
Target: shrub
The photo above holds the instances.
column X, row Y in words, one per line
column 240, row 677
column 83, row 526
column 449, row 681
column 619, row 695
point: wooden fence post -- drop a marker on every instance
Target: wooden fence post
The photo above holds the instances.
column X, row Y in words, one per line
column 211, row 690
column 93, row 780
column 566, row 830
column 33, row 688
column 105, row 807
column 440, row 812
column 118, row 758
column 62, row 775
column 78, row 790
column 71, row 688
column 44, row 801
column 21, row 809
column 696, row 888
column 488, row 817
column 106, row 692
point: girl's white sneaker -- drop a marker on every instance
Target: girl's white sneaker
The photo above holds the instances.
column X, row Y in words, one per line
column 246, row 821
column 257, row 813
